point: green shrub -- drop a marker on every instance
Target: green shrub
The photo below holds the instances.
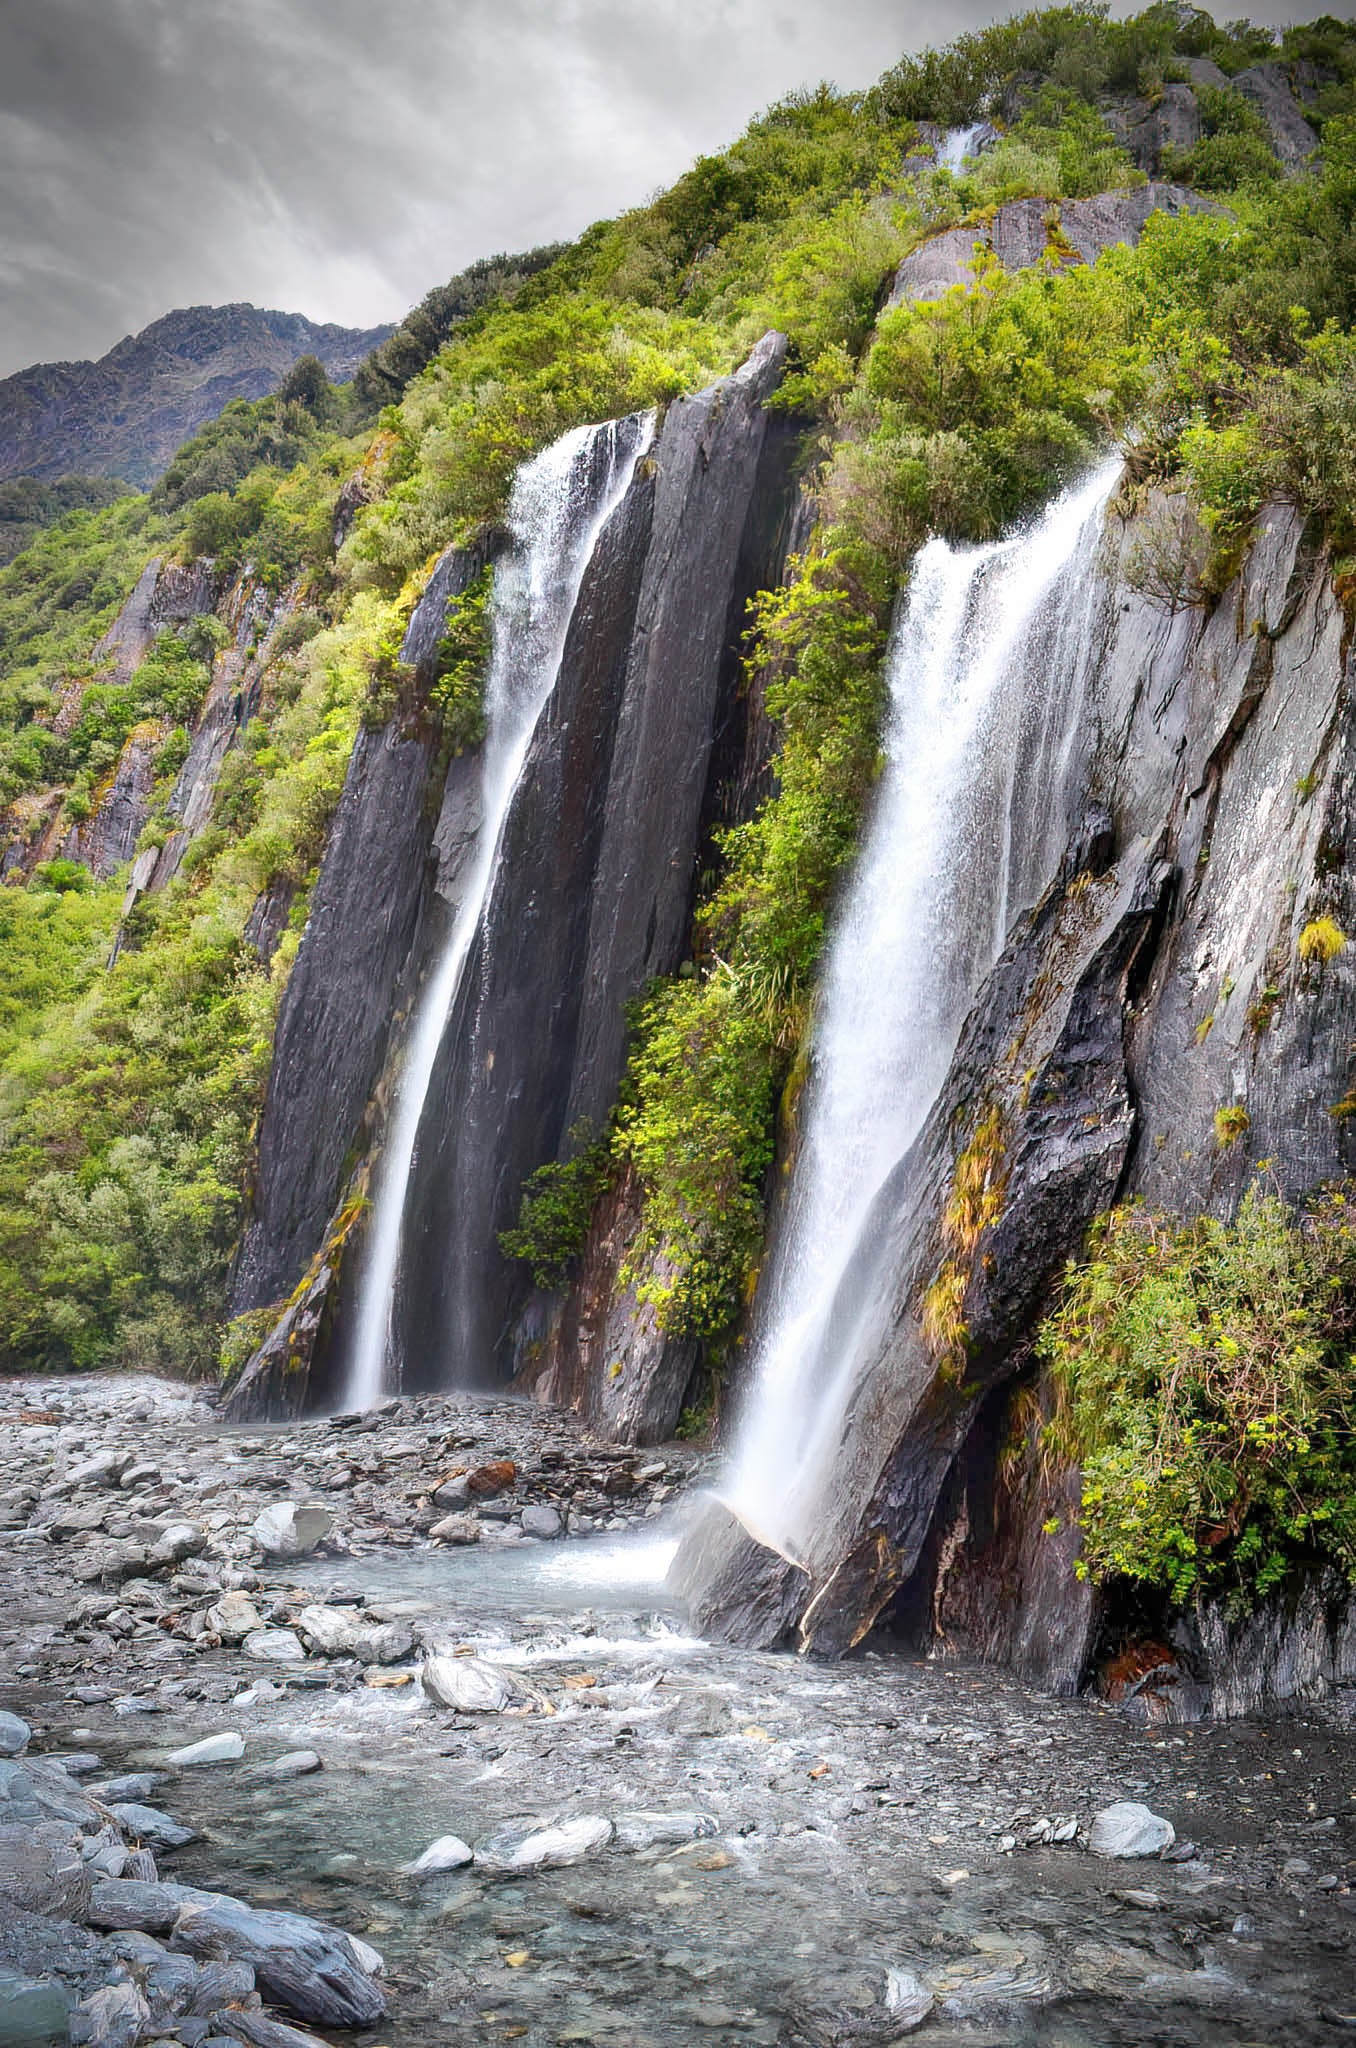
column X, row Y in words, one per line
column 1205, row 1375
column 553, row 1218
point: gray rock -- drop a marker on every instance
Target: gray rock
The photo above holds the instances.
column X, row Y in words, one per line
column 312, row 1971
column 453, row 1493
column 105, row 1468
column 543, row 1523
column 41, row 1868
column 132, row 1785
column 468, row 1684
column 449, row 1852
column 226, row 1748
column 1129, row 1829
column 116, row 2016
column 234, row 1617
column 296, row 1763
column 456, row 1529
column 1293, row 140
column 175, row 1543
column 274, row 1646
column 907, row 2000
column 641, row 1829
column 151, row 1825
column 126, row 1903
column 14, row 1735
column 521, row 1846
column 34, row 2012
column 290, row 1529
column 260, row 2031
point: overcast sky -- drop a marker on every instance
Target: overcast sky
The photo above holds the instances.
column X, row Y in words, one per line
column 339, row 157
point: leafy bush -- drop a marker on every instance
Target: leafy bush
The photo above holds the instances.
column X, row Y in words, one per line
column 1205, row 1374
column 553, row 1218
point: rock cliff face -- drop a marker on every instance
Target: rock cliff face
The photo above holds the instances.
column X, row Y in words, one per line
column 591, row 897
column 1157, row 979
column 126, row 414
column 593, row 892
column 334, row 1025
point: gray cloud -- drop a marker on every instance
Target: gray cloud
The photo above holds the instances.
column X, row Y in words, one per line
column 339, row 157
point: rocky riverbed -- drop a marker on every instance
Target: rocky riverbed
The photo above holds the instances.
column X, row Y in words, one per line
column 387, row 1725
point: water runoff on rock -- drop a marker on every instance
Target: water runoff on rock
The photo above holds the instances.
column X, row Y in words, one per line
column 987, row 670
column 560, row 502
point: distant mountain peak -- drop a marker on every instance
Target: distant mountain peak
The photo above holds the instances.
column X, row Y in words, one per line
column 127, row 414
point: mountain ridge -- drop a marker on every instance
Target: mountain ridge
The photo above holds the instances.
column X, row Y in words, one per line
column 125, row 413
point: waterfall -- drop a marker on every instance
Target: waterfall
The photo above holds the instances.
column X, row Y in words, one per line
column 986, row 673
column 956, row 146
column 560, row 502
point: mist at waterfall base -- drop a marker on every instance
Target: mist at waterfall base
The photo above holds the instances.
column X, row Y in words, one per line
column 987, row 671
column 560, row 502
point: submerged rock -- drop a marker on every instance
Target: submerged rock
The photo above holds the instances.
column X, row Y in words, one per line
column 534, row 1845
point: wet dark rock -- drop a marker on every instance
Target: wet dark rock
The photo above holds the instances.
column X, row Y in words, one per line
column 312, row 1971
column 734, row 1587
column 34, row 2012
column 332, row 1028
column 150, row 1825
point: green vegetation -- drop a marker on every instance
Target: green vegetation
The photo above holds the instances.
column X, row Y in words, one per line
column 27, row 505
column 557, row 1205
column 127, row 1096
column 1205, row 1376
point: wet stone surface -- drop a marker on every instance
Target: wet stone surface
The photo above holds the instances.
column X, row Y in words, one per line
column 670, row 1842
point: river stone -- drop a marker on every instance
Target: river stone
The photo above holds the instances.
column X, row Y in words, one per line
column 116, row 2015
column 261, row 2031
column 297, row 1763
column 456, row 1529
column 312, row 1971
column 449, row 1852
column 104, row 1469
column 14, row 1735
column 151, row 1825
column 467, row 1683
column 274, row 1646
column 288, row 1529
column 1129, row 1829
column 132, row 1785
column 121, row 1904
column 330, row 1630
column 907, row 2000
column 233, row 1617
column 536, row 1845
column 33, row 2013
column 226, row 1748
column 41, row 1868
column 541, row 1522
column 176, row 1542
column 643, row 1830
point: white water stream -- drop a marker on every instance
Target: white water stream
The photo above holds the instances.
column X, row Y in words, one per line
column 560, row 503
column 986, row 673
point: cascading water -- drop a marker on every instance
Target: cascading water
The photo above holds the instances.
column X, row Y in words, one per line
column 986, row 673
column 957, row 146
column 561, row 501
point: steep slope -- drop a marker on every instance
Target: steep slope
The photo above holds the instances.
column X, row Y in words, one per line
column 126, row 414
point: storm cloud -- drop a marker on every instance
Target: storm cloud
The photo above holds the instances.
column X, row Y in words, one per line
column 339, row 157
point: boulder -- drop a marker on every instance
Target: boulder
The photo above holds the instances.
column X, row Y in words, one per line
column 1129, row 1829
column 115, row 2016
column 312, row 1971
column 176, row 1542
column 468, row 1684
column 289, row 1529
column 33, row 2012
column 117, row 1904
column 456, row 1529
column 41, row 1868
column 544, row 1523
column 234, row 1617
column 14, row 1735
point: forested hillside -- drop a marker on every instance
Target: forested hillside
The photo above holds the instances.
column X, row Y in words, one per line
column 183, row 673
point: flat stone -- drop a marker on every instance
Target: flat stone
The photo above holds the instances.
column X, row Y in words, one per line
column 119, row 1904
column 116, row 2015
column 1129, row 1829
column 233, row 1617
column 543, row 1523
column 297, row 1763
column 456, row 1529
column 226, row 1748
column 274, row 1646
